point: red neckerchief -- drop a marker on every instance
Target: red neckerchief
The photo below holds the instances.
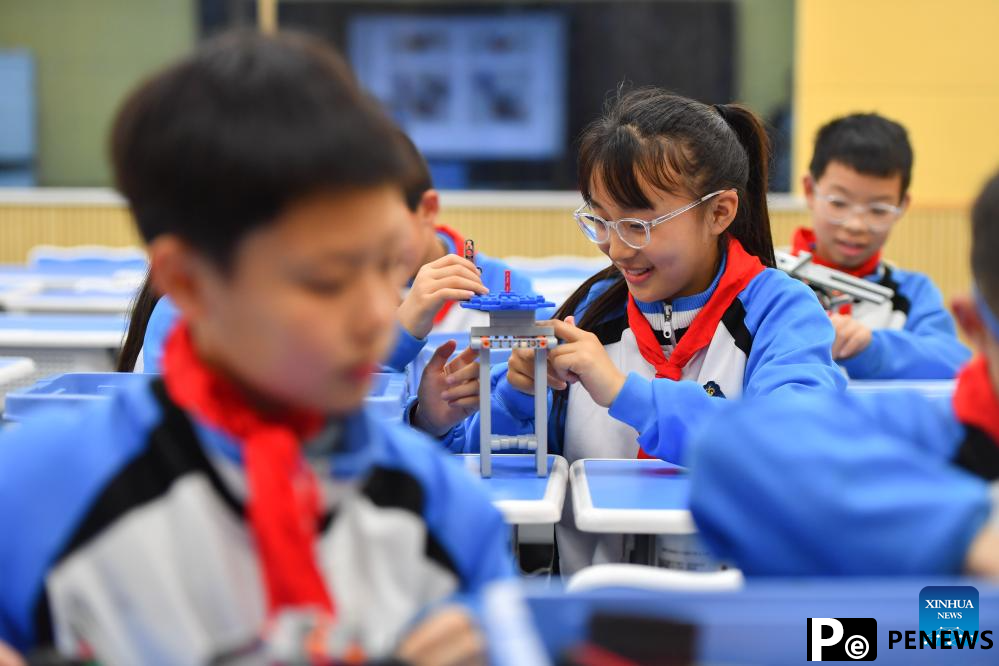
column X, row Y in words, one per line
column 740, row 269
column 975, row 402
column 804, row 241
column 459, row 245
column 283, row 497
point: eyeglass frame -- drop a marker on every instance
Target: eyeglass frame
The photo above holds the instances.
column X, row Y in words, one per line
column 648, row 225
column 862, row 211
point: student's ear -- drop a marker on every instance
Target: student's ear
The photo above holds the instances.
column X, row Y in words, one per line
column 178, row 271
column 722, row 211
column 430, row 207
column 967, row 317
column 808, row 185
column 906, row 201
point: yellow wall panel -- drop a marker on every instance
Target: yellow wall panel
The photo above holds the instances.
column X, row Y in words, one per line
column 929, row 64
column 23, row 227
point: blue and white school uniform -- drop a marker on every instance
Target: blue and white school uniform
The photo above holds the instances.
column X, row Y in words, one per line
column 125, row 529
column 913, row 335
column 875, row 484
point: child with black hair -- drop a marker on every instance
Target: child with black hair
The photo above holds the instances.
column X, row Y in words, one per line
column 691, row 310
column 885, row 484
column 857, row 188
column 244, row 507
column 441, row 275
column 438, row 277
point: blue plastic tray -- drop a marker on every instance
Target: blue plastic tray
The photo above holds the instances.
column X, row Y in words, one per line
column 68, row 391
column 387, row 396
column 72, row 390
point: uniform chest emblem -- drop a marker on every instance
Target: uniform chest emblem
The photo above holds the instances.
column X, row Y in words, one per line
column 713, row 390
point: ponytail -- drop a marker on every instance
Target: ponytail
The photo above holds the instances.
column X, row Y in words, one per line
column 752, row 221
column 142, row 309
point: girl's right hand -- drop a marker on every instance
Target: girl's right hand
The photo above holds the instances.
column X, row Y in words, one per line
column 520, row 373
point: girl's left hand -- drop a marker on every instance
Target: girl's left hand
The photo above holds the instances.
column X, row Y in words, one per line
column 581, row 358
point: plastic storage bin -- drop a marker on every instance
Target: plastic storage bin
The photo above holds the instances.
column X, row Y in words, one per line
column 66, row 392
column 70, row 391
column 387, row 396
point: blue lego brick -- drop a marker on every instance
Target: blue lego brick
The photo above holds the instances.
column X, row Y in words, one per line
column 506, row 301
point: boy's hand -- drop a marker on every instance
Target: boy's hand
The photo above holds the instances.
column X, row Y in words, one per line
column 852, row 337
column 448, row 392
column 449, row 637
column 450, row 278
column 581, row 358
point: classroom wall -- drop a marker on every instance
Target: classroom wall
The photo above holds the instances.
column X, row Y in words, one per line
column 935, row 240
column 764, row 54
column 88, row 54
column 929, row 64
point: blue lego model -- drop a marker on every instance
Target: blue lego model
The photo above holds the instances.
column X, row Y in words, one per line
column 512, row 326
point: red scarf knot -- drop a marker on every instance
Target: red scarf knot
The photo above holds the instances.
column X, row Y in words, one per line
column 740, row 269
column 284, row 502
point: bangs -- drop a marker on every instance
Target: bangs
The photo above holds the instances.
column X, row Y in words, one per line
column 628, row 166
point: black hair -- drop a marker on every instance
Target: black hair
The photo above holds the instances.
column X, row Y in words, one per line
column 678, row 145
column 417, row 180
column 223, row 141
column 142, row 309
column 867, row 143
column 985, row 242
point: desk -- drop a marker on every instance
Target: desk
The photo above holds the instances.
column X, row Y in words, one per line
column 518, row 492
column 645, row 498
column 631, row 496
column 69, row 330
column 63, row 343
column 66, row 276
column 65, row 300
column 936, row 389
